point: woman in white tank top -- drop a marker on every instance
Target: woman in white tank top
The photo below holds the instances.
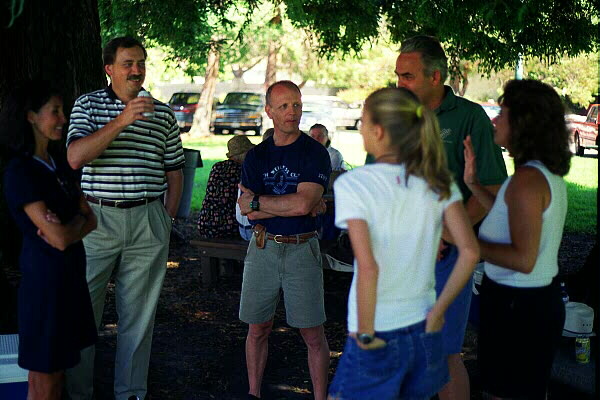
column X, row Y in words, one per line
column 522, row 313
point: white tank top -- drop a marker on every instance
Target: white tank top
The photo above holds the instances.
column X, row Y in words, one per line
column 495, row 229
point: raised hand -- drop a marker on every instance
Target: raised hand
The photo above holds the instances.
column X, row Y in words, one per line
column 134, row 109
column 470, row 172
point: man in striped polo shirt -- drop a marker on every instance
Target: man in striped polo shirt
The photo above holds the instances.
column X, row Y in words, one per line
column 129, row 160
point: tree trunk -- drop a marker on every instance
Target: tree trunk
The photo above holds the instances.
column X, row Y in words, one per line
column 202, row 116
column 60, row 44
column 238, row 77
column 459, row 76
column 271, row 74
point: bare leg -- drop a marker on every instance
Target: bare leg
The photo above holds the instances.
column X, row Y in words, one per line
column 43, row 386
column 458, row 388
column 318, row 359
column 257, row 350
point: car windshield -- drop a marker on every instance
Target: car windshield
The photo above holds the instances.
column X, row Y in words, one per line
column 243, row 98
column 182, row 99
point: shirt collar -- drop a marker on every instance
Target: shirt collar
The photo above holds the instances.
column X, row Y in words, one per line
column 111, row 93
column 449, row 101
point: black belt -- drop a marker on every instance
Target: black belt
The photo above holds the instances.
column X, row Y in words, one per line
column 119, row 203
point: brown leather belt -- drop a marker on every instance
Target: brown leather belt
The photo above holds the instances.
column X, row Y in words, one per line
column 119, row 203
column 292, row 239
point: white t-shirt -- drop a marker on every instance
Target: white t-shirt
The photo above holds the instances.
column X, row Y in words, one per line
column 495, row 228
column 405, row 227
column 337, row 161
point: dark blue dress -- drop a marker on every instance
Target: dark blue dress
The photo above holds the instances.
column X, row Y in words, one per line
column 55, row 312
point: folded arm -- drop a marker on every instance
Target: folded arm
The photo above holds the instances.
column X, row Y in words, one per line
column 303, row 202
column 57, row 235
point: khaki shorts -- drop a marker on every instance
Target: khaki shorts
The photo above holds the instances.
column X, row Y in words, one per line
column 295, row 269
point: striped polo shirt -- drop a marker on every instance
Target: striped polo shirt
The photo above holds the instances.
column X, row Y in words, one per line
column 133, row 166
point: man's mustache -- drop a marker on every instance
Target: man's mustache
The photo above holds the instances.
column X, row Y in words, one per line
column 132, row 77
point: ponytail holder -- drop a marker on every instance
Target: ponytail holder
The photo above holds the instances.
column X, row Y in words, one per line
column 419, row 111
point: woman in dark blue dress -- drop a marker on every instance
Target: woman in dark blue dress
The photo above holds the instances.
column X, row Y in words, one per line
column 55, row 313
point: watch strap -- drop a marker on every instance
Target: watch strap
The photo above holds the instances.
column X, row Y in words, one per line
column 255, row 204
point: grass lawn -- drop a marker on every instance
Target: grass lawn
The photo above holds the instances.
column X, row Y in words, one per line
column 582, row 180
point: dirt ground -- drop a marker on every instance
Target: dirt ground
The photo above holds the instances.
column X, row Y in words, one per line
column 198, row 347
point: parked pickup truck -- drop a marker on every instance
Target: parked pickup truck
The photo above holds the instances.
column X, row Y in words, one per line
column 241, row 111
column 584, row 134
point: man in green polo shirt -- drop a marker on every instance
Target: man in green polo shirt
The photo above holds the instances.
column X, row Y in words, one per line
column 422, row 68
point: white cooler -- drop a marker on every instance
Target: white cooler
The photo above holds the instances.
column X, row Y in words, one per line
column 13, row 379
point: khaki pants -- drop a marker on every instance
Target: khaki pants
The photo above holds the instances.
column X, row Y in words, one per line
column 133, row 243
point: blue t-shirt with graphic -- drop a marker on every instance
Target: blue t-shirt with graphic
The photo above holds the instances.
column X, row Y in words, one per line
column 278, row 170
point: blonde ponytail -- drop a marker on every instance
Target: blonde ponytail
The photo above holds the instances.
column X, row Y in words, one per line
column 414, row 133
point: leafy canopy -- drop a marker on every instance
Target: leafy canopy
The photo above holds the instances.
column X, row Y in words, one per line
column 494, row 32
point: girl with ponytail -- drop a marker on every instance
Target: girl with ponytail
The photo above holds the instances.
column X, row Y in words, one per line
column 394, row 211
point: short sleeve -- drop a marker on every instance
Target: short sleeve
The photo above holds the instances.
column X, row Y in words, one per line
column 81, row 123
column 251, row 177
column 349, row 202
column 174, row 158
column 21, row 186
column 455, row 195
column 317, row 168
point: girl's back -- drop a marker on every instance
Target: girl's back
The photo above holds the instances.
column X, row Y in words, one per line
column 405, row 224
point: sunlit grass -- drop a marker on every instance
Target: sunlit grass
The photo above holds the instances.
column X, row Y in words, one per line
column 582, row 189
column 582, row 180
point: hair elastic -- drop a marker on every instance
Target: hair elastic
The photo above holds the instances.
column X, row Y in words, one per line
column 419, row 111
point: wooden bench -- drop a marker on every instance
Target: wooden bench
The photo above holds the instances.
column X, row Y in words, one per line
column 213, row 250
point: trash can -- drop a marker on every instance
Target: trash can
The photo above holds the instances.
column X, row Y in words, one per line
column 193, row 160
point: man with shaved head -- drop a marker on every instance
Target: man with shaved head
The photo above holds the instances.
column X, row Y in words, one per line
column 283, row 180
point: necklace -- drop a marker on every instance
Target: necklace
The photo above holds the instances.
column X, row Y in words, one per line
column 384, row 156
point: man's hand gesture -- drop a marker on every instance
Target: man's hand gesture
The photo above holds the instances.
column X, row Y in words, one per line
column 134, row 109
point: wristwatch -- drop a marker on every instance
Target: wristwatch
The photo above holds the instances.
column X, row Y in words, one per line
column 365, row 338
column 255, row 204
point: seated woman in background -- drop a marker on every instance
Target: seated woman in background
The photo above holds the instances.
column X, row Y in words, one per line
column 522, row 312
column 217, row 217
column 320, row 133
column 55, row 312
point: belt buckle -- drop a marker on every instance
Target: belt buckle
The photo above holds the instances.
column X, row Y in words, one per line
column 118, row 202
column 276, row 237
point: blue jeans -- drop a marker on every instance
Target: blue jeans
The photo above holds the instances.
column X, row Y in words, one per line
column 410, row 366
column 457, row 314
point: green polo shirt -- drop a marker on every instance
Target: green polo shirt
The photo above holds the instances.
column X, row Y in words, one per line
column 458, row 118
